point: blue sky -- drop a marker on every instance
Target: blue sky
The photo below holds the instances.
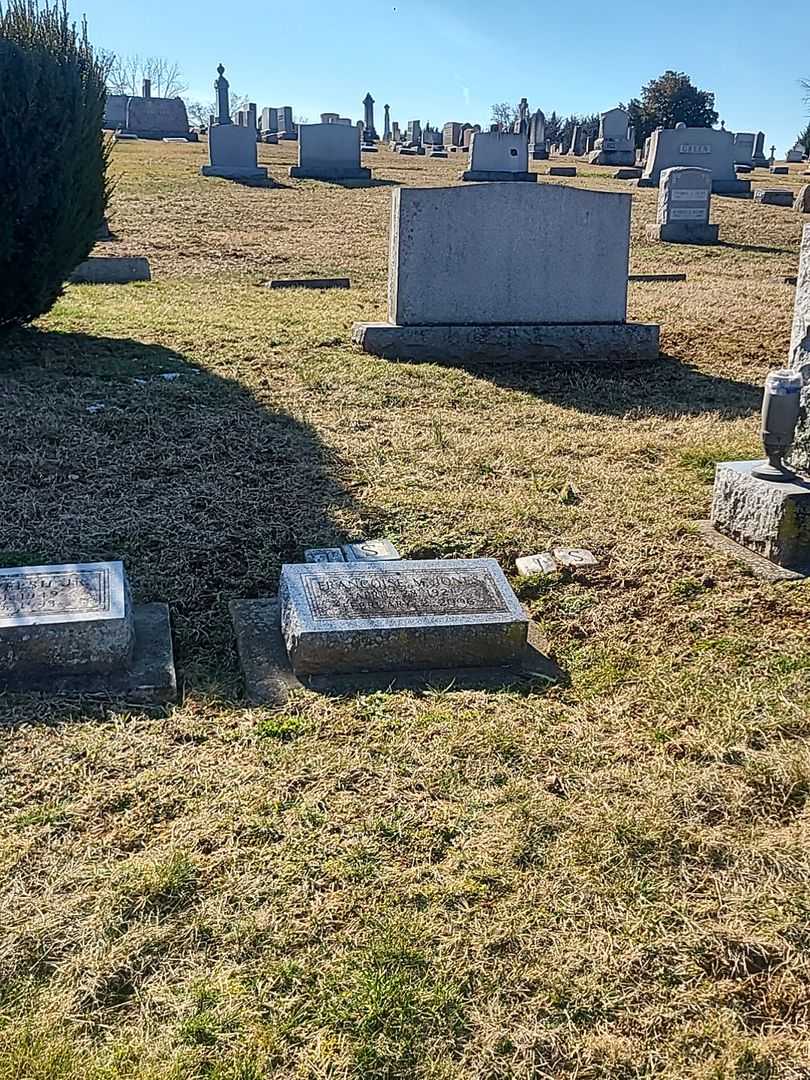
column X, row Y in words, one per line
column 451, row 59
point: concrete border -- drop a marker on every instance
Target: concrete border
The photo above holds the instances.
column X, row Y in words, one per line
column 149, row 680
column 761, row 567
column 269, row 678
column 509, row 344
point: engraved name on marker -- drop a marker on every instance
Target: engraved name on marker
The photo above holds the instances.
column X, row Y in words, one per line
column 695, row 148
column 687, row 213
column 63, row 592
column 689, row 194
column 402, row 593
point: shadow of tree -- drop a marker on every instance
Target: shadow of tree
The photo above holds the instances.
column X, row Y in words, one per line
column 115, row 449
column 664, row 387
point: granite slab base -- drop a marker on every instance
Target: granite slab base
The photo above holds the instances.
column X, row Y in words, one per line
column 509, row 344
column 485, row 176
column 684, row 232
column 298, row 172
column 111, row 271
column 538, row 155
column 770, row 518
column 633, row 172
column 270, row 679
column 758, row 564
column 150, row 678
column 245, row 175
column 775, row 196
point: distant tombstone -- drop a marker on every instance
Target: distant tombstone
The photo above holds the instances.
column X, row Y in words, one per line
column 522, row 122
column 241, row 118
column 508, row 272
column 156, row 118
column 705, row 148
column 286, row 125
column 744, row 148
column 538, row 150
column 799, row 356
column 369, row 133
column 115, row 112
column 231, row 147
column 414, row 132
column 774, row 196
column 396, row 135
column 795, row 154
column 387, row 123
column 684, row 202
column 614, row 144
column 468, row 132
column 451, row 134
column 269, row 121
column 329, row 152
column 499, row 155
column 72, row 629
column 329, row 117
column 758, row 159
column 573, row 145
column 252, row 118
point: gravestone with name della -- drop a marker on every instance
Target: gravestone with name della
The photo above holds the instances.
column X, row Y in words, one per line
column 72, row 629
column 499, row 155
column 508, row 272
column 703, row 148
column 329, row 152
column 615, row 144
column 684, row 203
column 232, row 148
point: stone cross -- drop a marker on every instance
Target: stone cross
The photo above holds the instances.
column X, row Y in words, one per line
column 222, row 87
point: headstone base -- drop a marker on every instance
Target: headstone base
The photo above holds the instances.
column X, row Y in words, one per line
column 632, row 173
column 562, row 170
column 509, row 344
column 770, row 518
column 270, row 679
column 538, row 155
column 298, row 172
column 760, row 162
column 110, row 271
column 719, row 187
column 684, row 232
column 233, row 174
column 149, row 679
column 485, row 176
column 612, row 157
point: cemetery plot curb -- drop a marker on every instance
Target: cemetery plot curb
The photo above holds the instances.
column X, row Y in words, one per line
column 269, row 678
column 759, row 565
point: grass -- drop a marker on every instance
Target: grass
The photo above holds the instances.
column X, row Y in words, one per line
column 605, row 880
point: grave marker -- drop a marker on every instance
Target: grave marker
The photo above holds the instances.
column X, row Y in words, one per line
column 704, row 148
column 498, row 156
column 329, row 152
column 684, row 202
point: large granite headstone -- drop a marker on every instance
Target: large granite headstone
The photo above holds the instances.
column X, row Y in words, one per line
column 355, row 617
column 329, row 152
column 508, row 272
column 704, row 148
column 684, row 202
column 72, row 628
column 499, row 155
column 231, row 147
column 799, row 357
column 613, row 145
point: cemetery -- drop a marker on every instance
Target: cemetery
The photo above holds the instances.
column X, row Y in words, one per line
column 404, row 606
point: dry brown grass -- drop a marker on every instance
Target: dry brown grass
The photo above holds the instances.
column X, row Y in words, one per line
column 607, row 880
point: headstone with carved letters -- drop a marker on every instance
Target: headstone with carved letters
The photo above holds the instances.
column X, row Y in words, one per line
column 684, row 203
column 72, row 627
column 398, row 616
column 702, row 148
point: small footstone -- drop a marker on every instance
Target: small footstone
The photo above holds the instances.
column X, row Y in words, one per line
column 371, row 551
column 530, row 565
column 71, row 629
column 111, row 271
column 574, row 558
column 322, row 555
column 780, row 170
column 656, row 277
column 562, row 170
column 309, row 283
column 627, row 174
column 774, row 196
column 375, row 616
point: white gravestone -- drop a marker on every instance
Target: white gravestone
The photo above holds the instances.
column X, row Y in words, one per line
column 508, row 271
column 684, row 203
column 499, row 155
column 329, row 152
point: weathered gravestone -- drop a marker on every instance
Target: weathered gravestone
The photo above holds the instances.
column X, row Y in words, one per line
column 802, row 203
column 148, row 117
column 398, row 616
column 774, row 196
column 684, row 202
column 758, row 158
column 72, row 629
column 500, row 155
column 614, row 145
column 451, row 134
column 369, row 131
column 744, row 148
column 508, row 272
column 795, row 154
column 538, row 148
column 329, row 152
column 231, row 147
column 704, row 148
column 799, row 357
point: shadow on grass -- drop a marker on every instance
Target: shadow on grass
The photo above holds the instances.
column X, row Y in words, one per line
column 759, row 249
column 664, row 387
column 201, row 488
